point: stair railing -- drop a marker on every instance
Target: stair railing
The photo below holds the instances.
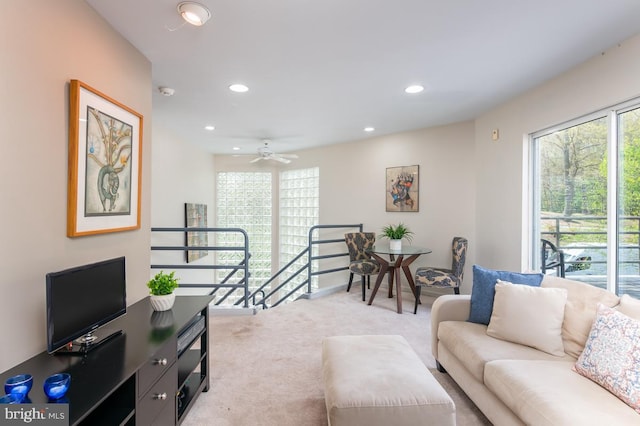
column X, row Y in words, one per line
column 263, row 294
column 242, row 283
column 307, row 267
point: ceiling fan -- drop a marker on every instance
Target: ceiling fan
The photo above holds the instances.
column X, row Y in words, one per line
column 266, row 153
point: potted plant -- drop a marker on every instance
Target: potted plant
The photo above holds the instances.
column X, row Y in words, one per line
column 395, row 234
column 161, row 288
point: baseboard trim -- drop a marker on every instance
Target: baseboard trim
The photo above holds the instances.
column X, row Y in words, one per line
column 220, row 311
column 324, row 292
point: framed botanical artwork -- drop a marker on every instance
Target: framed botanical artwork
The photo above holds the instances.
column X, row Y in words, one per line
column 105, row 162
column 402, row 189
column 195, row 216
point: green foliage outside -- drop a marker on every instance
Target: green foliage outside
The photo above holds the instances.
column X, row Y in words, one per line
column 574, row 174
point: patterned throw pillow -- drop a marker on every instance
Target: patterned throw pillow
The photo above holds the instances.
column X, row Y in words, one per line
column 611, row 356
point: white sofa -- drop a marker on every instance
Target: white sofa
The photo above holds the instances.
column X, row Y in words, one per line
column 513, row 384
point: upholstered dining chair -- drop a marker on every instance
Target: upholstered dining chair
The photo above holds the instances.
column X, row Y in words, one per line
column 360, row 262
column 444, row 278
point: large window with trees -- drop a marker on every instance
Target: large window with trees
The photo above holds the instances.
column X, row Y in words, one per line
column 586, row 198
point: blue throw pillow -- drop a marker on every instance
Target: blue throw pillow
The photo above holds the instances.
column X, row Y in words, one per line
column 484, row 290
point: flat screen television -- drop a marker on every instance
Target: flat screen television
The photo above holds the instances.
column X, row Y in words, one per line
column 81, row 301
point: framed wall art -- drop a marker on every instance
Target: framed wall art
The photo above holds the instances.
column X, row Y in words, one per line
column 195, row 216
column 105, row 162
column 402, row 189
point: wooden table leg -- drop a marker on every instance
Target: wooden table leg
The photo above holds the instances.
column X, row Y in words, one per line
column 393, row 267
column 384, row 267
column 398, row 284
column 407, row 273
column 392, row 271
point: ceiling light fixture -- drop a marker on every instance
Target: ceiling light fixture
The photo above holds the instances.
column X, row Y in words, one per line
column 416, row 88
column 194, row 13
column 369, row 129
column 239, row 88
column 210, row 127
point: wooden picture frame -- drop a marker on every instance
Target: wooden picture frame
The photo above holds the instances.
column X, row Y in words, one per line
column 195, row 216
column 403, row 189
column 105, row 163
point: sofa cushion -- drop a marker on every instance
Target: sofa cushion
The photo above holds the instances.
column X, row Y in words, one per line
column 470, row 343
column 611, row 356
column 629, row 306
column 579, row 311
column 551, row 393
column 483, row 290
column 538, row 312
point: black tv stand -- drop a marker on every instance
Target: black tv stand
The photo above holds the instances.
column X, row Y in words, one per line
column 88, row 342
column 137, row 377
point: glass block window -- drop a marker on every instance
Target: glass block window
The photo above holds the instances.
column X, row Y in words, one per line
column 244, row 200
column 299, row 211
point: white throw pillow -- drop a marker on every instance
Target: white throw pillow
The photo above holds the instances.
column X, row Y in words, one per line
column 629, row 306
column 531, row 316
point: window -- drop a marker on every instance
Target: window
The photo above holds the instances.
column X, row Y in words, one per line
column 299, row 211
column 243, row 200
column 628, row 208
column 586, row 198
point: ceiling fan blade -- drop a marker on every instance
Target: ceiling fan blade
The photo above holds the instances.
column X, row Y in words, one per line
column 280, row 159
column 288, row 155
column 255, row 160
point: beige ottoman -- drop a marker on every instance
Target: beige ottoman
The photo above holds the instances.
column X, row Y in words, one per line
column 380, row 380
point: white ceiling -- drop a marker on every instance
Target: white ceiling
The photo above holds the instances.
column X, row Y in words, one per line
column 319, row 71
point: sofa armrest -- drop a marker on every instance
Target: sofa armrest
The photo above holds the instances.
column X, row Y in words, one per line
column 449, row 307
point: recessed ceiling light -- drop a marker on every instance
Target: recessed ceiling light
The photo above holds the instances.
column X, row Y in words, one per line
column 210, row 127
column 236, row 148
column 194, row 13
column 369, row 129
column 239, row 88
column 416, row 88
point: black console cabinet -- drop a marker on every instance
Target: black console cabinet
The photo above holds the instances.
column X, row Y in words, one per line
column 149, row 374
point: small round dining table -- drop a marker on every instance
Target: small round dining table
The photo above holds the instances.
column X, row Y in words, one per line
column 397, row 260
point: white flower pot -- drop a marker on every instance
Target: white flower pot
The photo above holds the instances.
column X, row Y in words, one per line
column 163, row 303
column 395, row 245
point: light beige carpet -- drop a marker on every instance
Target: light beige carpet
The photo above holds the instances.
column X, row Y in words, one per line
column 266, row 368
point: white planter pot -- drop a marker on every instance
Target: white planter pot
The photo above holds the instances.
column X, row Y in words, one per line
column 163, row 303
column 395, row 245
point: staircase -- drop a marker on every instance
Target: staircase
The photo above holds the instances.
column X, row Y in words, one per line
column 236, row 289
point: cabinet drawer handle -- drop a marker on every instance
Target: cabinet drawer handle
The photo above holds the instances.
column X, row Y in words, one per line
column 161, row 361
column 161, row 396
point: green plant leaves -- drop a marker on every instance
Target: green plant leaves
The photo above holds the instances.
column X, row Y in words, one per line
column 162, row 284
column 397, row 232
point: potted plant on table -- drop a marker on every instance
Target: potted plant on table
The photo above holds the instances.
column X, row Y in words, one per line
column 395, row 234
column 161, row 288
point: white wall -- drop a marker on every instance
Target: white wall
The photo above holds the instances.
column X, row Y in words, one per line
column 603, row 81
column 352, row 186
column 182, row 173
column 61, row 40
